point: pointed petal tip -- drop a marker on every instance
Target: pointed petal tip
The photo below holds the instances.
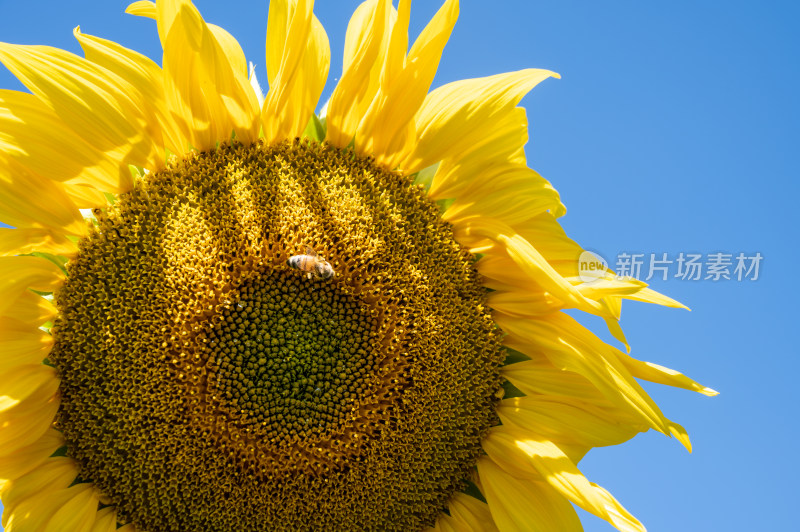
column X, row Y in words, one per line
column 680, row 434
column 142, row 8
column 680, row 305
column 673, row 303
column 542, row 72
column 677, row 304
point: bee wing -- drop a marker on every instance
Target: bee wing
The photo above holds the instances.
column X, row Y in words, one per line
column 310, row 251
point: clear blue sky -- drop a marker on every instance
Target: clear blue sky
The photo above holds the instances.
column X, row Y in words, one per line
column 671, row 131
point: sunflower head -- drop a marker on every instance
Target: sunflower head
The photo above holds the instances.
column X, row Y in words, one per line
column 223, row 312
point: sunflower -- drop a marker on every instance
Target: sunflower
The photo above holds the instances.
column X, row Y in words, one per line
column 219, row 311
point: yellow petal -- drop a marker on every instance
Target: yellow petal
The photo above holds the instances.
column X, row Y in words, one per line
column 562, row 253
column 472, row 514
column 509, row 447
column 616, row 331
column 388, row 130
column 166, row 11
column 17, row 274
column 28, row 307
column 524, row 505
column 532, row 195
column 34, row 135
column 600, row 288
column 85, row 196
column 474, row 230
column 648, row 295
column 55, row 474
column 514, row 294
column 141, row 72
column 529, row 303
column 655, row 373
column 453, row 117
column 22, row 343
column 26, row 422
column 499, row 267
column 500, row 143
column 233, row 51
column 570, row 421
column 20, row 382
column 614, row 305
column 445, row 523
column 142, row 8
column 570, row 346
column 680, row 434
column 106, row 520
column 279, row 19
column 552, row 241
column 298, row 59
column 72, row 509
column 206, row 95
column 78, row 512
column 365, row 46
column 20, row 462
column 540, row 377
column 28, row 200
column 18, row 241
column 96, row 104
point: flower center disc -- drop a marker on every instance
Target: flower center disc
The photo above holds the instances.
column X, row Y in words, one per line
column 207, row 385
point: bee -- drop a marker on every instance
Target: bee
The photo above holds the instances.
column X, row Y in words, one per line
column 312, row 264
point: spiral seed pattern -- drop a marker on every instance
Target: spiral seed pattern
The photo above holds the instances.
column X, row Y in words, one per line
column 205, row 385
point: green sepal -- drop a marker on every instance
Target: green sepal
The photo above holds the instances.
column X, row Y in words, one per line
column 316, row 129
column 444, row 204
column 425, row 176
column 137, row 172
column 511, row 391
column 514, row 356
column 61, row 451
column 473, row 490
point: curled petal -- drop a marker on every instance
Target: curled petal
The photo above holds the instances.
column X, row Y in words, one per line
column 97, row 105
column 209, row 97
column 542, row 459
column 140, row 71
column 454, row 117
column 365, row 42
column 388, row 130
column 298, row 59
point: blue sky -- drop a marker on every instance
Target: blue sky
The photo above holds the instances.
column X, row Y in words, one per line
column 674, row 130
